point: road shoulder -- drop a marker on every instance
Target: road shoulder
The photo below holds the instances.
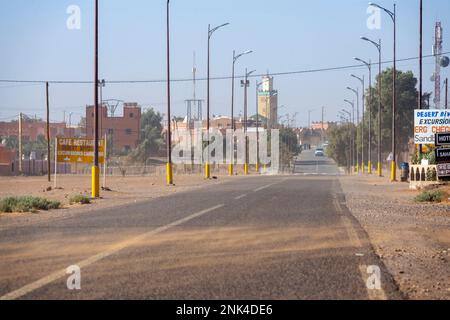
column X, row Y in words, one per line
column 413, row 240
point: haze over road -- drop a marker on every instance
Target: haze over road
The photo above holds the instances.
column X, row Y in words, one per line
column 268, row 237
column 307, row 163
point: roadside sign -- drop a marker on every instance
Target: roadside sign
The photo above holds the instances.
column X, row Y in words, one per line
column 443, row 139
column 428, row 123
column 443, row 155
column 75, row 150
column 443, row 170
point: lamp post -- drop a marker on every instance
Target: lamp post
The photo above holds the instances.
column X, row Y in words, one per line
column 369, row 151
column 246, row 84
column 354, row 153
column 233, row 127
column 95, row 168
column 356, row 92
column 349, row 121
column 378, row 46
column 393, row 16
column 258, row 85
column 210, row 33
column 169, row 172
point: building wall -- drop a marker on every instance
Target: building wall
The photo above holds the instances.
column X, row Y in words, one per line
column 31, row 130
column 123, row 132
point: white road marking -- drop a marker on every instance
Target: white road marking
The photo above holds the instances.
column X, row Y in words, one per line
column 240, row 197
column 89, row 261
column 269, row 185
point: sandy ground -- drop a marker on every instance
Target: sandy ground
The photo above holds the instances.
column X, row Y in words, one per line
column 123, row 191
column 412, row 239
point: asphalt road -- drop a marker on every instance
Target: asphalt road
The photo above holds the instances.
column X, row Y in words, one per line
column 308, row 164
column 268, row 237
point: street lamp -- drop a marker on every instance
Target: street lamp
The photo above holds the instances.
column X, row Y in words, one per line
column 210, row 33
column 95, row 168
column 378, row 46
column 352, row 104
column 233, row 127
column 246, row 84
column 393, row 16
column 349, row 123
column 369, row 66
column 169, row 172
column 356, row 92
column 258, row 85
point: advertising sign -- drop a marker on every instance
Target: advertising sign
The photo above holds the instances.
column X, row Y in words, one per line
column 443, row 139
column 443, row 170
column 428, row 123
column 74, row 150
column 443, row 155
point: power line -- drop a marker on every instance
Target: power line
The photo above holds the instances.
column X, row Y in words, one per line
column 356, row 66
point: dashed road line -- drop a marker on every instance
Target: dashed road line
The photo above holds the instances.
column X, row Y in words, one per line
column 240, row 197
column 114, row 249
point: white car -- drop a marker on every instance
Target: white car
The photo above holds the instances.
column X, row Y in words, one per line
column 320, row 153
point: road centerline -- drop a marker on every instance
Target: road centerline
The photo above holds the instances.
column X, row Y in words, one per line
column 16, row 294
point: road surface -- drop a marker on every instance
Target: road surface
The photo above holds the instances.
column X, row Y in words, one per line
column 308, row 164
column 265, row 237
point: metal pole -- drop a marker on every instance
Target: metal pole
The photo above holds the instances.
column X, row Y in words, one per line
column 207, row 170
column 245, row 122
column 56, row 161
column 95, row 169
column 380, row 170
column 257, row 128
column 394, row 101
column 231, row 170
column 20, row 142
column 369, row 165
column 446, row 93
column 169, row 173
column 420, row 63
column 48, row 133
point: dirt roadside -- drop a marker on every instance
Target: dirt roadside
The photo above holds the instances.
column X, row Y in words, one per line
column 124, row 190
column 412, row 239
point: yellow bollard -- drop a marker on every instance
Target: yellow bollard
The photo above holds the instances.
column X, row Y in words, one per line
column 363, row 168
column 95, row 182
column 257, row 167
column 169, row 174
column 265, row 168
column 230, row 170
column 246, row 169
column 393, row 172
column 380, row 173
column 207, row 171
column 369, row 168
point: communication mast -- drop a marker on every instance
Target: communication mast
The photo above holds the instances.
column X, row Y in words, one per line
column 437, row 52
column 194, row 103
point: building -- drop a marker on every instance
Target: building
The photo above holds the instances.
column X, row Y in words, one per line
column 268, row 102
column 33, row 128
column 122, row 132
column 319, row 125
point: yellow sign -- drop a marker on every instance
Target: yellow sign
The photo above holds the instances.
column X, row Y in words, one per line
column 74, row 150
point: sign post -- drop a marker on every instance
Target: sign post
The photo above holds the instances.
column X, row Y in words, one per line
column 442, row 141
column 78, row 151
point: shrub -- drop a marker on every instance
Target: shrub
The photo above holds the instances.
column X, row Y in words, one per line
column 431, row 196
column 27, row 204
column 81, row 199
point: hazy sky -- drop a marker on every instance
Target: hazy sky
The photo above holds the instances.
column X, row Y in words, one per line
column 285, row 35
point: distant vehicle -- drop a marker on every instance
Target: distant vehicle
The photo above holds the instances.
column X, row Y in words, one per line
column 320, row 152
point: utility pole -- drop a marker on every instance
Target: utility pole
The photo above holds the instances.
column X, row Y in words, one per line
column 20, row 142
column 95, row 168
column 420, row 63
column 48, row 133
column 169, row 172
column 323, row 116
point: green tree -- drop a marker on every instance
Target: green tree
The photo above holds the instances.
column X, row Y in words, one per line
column 339, row 143
column 407, row 96
column 151, row 138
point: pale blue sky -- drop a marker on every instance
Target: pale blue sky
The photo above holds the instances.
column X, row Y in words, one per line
column 285, row 35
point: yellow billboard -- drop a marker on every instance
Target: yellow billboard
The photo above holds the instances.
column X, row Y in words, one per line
column 76, row 150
